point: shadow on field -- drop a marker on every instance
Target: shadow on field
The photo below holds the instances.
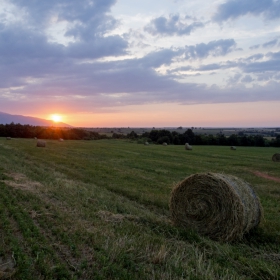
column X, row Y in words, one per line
column 258, row 237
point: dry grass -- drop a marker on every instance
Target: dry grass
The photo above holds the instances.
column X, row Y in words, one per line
column 220, row 206
column 188, row 147
column 41, row 143
column 276, row 157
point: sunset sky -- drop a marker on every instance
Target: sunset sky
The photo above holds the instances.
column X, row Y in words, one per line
column 142, row 63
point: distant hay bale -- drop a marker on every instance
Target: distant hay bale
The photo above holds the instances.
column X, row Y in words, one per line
column 220, row 206
column 9, row 138
column 41, row 143
column 233, row 148
column 35, row 138
column 61, row 140
column 276, row 157
column 146, row 143
column 188, row 147
column 164, row 144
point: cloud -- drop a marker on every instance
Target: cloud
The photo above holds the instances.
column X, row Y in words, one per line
column 247, row 79
column 158, row 58
column 271, row 43
column 214, row 48
column 85, row 11
column 254, row 57
column 232, row 9
column 254, row 47
column 271, row 63
column 171, row 26
column 37, row 71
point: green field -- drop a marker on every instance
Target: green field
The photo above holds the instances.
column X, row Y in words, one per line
column 99, row 210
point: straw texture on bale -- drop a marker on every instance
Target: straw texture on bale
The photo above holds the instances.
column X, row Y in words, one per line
column 41, row 143
column 276, row 157
column 188, row 147
column 233, row 148
column 222, row 207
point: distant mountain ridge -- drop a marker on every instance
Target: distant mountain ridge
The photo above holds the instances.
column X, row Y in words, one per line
column 8, row 118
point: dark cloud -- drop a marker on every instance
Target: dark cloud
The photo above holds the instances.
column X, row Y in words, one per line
column 156, row 59
column 271, row 43
column 210, row 67
column 254, row 57
column 34, row 69
column 234, row 79
column 171, row 26
column 271, row 64
column 82, row 12
column 232, row 9
column 19, row 42
column 254, row 47
column 247, row 79
column 214, row 48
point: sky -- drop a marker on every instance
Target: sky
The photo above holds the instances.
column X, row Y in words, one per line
column 140, row 63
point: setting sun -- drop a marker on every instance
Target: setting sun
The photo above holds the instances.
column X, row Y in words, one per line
column 56, row 118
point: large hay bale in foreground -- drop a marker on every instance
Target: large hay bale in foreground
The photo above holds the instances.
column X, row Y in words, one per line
column 220, row 206
column 276, row 157
column 188, row 147
column 41, row 143
column 233, row 148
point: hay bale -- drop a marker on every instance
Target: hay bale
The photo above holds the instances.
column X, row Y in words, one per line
column 233, row 148
column 164, row 144
column 146, row 143
column 35, row 138
column 276, row 157
column 220, row 206
column 60, row 140
column 188, row 147
column 41, row 143
column 9, row 138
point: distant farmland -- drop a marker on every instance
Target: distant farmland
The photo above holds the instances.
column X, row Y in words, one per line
column 99, row 210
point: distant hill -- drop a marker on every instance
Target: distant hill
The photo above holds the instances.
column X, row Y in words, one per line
column 7, row 119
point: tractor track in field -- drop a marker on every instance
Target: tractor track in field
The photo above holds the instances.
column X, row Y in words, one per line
column 265, row 175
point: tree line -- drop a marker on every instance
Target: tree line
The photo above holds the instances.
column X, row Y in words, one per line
column 154, row 136
column 29, row 131
column 175, row 138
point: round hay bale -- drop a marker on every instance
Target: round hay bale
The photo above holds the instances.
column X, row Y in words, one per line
column 164, row 144
column 188, row 147
column 9, row 138
column 220, row 206
column 35, row 138
column 41, row 143
column 61, row 140
column 233, row 148
column 146, row 143
column 276, row 157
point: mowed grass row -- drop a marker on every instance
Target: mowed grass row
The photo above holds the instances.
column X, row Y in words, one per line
column 99, row 210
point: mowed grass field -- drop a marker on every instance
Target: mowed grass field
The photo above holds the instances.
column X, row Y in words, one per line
column 99, row 210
